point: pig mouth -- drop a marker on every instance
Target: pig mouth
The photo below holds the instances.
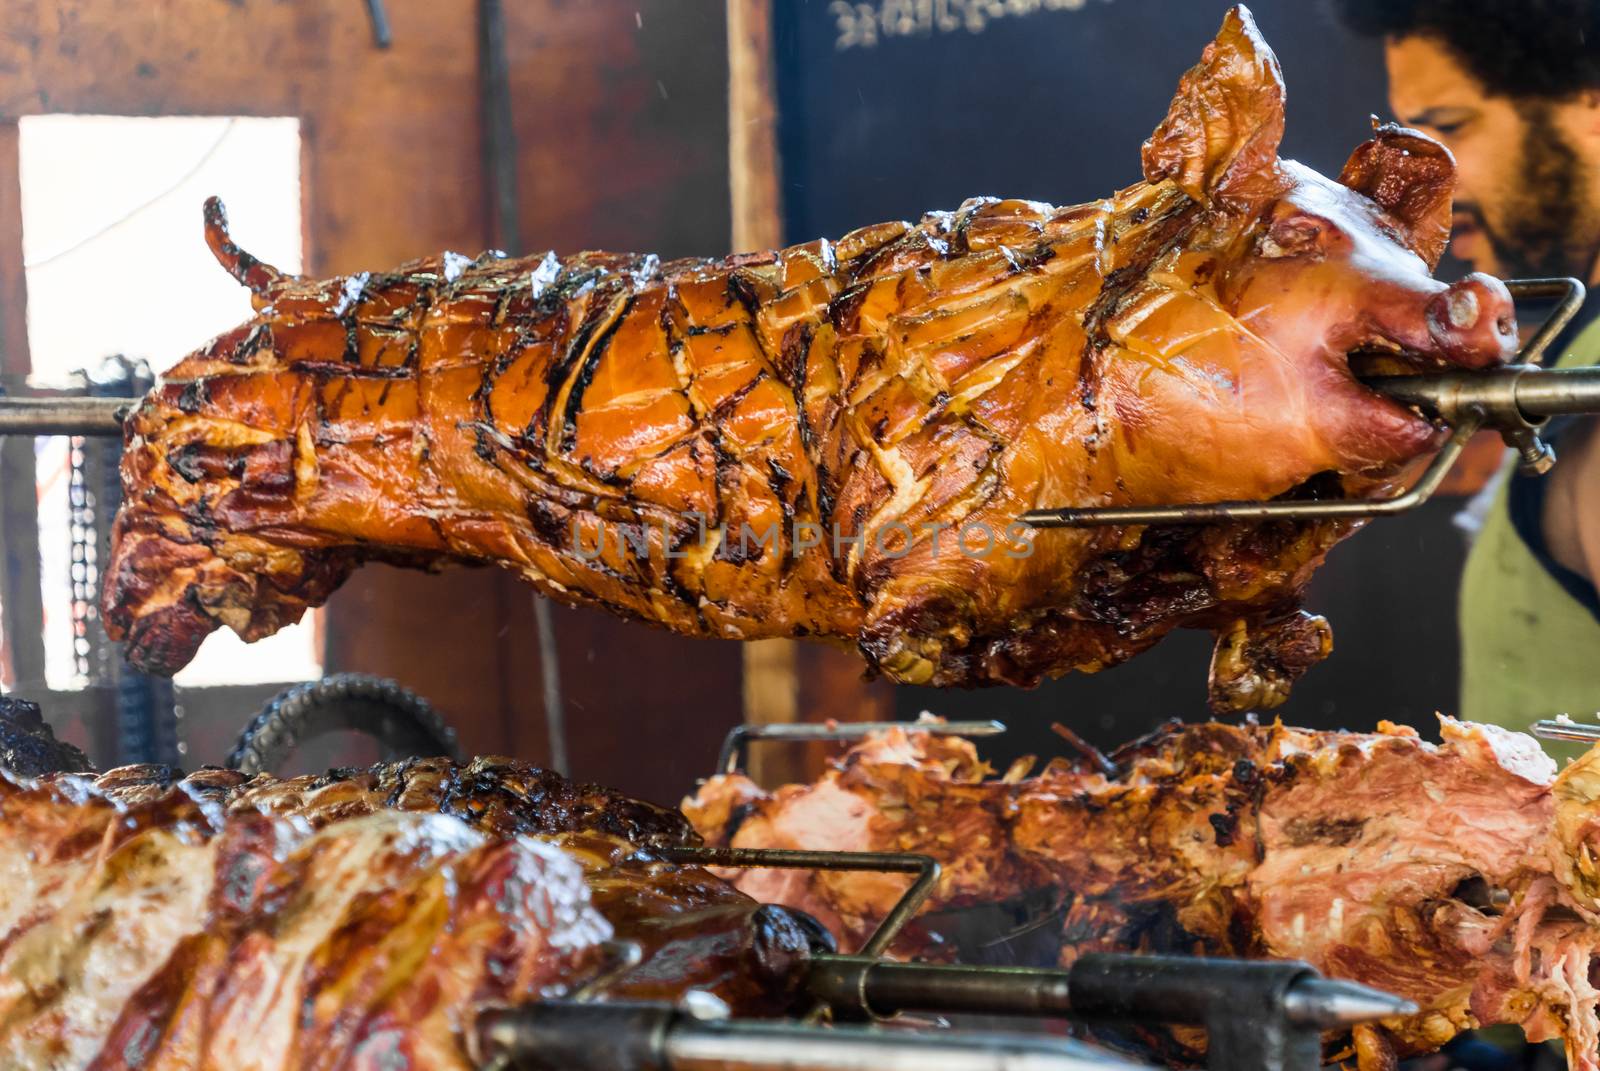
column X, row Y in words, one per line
column 1405, row 430
column 1380, row 357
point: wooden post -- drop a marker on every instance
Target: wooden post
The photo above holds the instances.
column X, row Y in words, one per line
column 21, row 639
column 771, row 678
column 784, row 680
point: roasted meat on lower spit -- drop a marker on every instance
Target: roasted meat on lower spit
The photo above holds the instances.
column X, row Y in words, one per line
column 356, row 920
column 1464, row 876
column 837, row 439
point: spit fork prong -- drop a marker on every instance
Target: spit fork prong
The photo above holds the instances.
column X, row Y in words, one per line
column 1566, row 729
column 926, row 869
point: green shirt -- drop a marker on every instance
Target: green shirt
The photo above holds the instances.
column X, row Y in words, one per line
column 1529, row 650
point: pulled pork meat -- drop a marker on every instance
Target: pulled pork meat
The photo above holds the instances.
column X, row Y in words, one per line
column 355, row 920
column 1462, row 875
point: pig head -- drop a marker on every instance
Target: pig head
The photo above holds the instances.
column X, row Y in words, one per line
column 1208, row 360
column 1285, row 274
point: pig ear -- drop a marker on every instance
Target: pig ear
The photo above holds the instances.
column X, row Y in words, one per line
column 1411, row 177
column 1219, row 141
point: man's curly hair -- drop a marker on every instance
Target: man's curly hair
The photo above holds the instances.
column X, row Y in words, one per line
column 1516, row 48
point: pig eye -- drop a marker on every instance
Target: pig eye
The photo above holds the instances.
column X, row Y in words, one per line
column 1291, row 237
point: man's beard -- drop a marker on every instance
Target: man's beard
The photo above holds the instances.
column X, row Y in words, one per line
column 1547, row 228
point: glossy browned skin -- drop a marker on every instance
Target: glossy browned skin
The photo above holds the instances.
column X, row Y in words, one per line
column 1464, row 876
column 1183, row 340
column 354, row 920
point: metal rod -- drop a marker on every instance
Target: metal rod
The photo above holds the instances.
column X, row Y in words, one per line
column 881, row 990
column 924, row 867
column 632, row 1036
column 66, row 415
column 380, row 24
column 721, row 1046
column 1556, row 729
column 1526, row 391
column 1278, row 510
column 1569, row 295
column 1558, row 392
column 1170, row 989
column 736, row 743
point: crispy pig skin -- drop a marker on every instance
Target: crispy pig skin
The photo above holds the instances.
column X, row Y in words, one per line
column 1462, row 875
column 837, row 439
column 354, row 920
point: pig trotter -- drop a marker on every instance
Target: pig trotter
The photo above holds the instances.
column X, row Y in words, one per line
column 1255, row 663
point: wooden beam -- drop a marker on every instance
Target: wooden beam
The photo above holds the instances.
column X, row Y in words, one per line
column 753, row 166
column 771, row 684
column 784, row 680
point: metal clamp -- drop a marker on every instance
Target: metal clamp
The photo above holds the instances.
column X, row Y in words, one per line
column 1515, row 400
column 1258, row 1014
column 736, row 744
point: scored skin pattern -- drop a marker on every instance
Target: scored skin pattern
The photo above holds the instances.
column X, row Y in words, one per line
column 957, row 372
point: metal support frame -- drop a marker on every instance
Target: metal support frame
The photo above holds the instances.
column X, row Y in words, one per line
column 736, row 745
column 925, row 868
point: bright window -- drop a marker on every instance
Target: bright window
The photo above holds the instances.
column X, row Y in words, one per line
column 115, row 264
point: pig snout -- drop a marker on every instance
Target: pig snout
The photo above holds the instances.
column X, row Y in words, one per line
column 1473, row 323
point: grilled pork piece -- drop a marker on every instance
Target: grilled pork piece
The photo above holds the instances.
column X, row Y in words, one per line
column 1462, row 875
column 356, row 920
column 836, row 439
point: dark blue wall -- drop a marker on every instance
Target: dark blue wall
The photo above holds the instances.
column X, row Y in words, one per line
column 1054, row 105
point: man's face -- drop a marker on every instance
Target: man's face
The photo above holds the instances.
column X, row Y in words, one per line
column 1527, row 203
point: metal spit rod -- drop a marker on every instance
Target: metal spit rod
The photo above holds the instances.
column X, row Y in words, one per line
column 1172, row 989
column 1558, row 729
column 62, row 415
column 574, row 1036
column 1276, row 510
column 1523, row 391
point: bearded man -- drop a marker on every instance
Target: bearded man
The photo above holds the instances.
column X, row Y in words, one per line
column 1513, row 89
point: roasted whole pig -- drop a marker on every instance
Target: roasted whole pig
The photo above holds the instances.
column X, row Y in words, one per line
column 356, row 920
column 836, row 439
column 1463, row 875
